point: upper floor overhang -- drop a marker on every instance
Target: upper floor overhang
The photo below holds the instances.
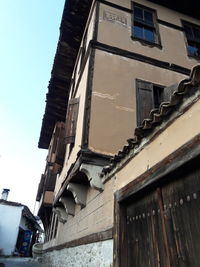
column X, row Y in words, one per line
column 73, row 22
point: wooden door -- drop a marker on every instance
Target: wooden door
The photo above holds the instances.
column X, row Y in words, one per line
column 163, row 226
column 146, row 246
column 181, row 199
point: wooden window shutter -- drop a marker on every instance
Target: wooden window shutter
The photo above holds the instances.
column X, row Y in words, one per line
column 71, row 120
column 145, row 101
column 50, row 181
column 55, row 137
column 61, row 147
column 168, row 92
column 83, row 50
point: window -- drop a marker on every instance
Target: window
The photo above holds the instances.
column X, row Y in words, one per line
column 71, row 120
column 144, row 24
column 192, row 33
column 60, row 149
column 149, row 96
column 56, row 227
column 57, row 147
column 52, row 226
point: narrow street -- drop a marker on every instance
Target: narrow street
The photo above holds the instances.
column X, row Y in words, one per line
column 19, row 262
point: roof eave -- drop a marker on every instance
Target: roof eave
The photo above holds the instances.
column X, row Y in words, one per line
column 71, row 29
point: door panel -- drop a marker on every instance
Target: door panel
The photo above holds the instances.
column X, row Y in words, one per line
column 163, row 225
column 146, row 246
column 182, row 216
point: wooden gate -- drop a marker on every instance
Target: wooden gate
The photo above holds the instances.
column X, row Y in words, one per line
column 160, row 224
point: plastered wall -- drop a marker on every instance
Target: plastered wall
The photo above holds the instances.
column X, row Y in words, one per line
column 176, row 135
column 113, row 107
column 97, row 216
column 173, row 43
column 48, row 197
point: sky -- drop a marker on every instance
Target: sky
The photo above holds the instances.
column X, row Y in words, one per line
column 29, row 32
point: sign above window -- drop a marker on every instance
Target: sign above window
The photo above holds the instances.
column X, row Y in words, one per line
column 115, row 18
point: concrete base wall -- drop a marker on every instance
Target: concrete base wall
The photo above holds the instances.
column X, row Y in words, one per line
column 99, row 254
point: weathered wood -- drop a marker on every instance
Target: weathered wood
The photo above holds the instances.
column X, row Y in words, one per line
column 71, row 120
column 40, row 188
column 61, row 147
column 166, row 247
column 88, row 98
column 119, row 236
column 145, row 237
column 144, row 100
column 56, row 227
column 50, row 181
column 181, row 200
column 162, row 216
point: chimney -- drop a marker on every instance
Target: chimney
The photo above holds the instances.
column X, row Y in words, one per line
column 5, row 193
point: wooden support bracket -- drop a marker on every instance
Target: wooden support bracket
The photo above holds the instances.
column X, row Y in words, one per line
column 68, row 204
column 61, row 213
column 93, row 174
column 79, row 192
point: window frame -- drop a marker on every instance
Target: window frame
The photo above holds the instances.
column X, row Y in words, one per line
column 155, row 27
column 186, row 23
column 139, row 115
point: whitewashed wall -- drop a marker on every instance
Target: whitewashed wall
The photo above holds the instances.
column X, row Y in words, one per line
column 10, row 217
column 99, row 254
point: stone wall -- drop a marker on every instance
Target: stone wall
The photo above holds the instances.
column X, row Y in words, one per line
column 99, row 254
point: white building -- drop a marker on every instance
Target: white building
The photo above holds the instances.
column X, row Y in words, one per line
column 18, row 228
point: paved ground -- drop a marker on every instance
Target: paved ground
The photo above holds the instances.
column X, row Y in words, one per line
column 19, row 262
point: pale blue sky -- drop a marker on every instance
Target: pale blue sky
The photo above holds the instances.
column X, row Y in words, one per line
column 29, row 32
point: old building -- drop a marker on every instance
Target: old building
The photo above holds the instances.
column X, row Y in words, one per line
column 18, row 228
column 120, row 67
